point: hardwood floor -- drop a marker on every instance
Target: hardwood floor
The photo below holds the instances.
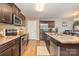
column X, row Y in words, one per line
column 31, row 49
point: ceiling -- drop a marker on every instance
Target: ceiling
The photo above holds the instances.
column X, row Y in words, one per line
column 52, row 10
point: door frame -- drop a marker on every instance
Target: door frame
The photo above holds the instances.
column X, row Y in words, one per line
column 37, row 24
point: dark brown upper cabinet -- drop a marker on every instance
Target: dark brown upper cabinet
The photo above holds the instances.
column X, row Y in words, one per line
column 7, row 10
column 5, row 13
column 0, row 12
column 51, row 24
column 15, row 10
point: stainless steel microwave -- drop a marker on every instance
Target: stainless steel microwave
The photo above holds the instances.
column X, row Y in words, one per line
column 16, row 20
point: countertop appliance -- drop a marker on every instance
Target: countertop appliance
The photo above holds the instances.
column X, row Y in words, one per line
column 10, row 32
column 16, row 20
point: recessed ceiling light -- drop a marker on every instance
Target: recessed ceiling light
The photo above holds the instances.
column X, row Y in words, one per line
column 75, row 19
column 39, row 7
column 78, row 18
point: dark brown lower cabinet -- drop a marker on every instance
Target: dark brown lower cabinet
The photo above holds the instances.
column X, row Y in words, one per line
column 10, row 48
column 15, row 48
column 15, row 51
column 7, row 52
column 69, row 50
column 47, row 44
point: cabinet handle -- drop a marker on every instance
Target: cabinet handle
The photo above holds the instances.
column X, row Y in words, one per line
column 3, row 19
column 14, row 47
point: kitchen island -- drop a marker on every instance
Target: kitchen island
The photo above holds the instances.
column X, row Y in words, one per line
column 63, row 45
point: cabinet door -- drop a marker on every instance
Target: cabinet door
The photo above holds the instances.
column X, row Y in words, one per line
column 7, row 52
column 0, row 12
column 53, row 49
column 15, row 10
column 6, row 13
column 47, row 44
column 15, row 48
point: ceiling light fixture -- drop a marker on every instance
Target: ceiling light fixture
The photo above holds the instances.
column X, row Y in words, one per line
column 78, row 18
column 75, row 19
column 39, row 7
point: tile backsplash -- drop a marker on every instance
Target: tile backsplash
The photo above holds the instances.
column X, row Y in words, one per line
column 4, row 26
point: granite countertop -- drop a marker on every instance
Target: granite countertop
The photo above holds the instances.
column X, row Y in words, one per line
column 64, row 39
column 6, row 39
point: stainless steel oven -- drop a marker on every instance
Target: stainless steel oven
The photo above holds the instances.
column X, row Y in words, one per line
column 23, row 43
column 16, row 20
column 10, row 32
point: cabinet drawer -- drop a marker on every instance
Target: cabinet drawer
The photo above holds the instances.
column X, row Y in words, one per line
column 6, row 52
column 6, row 46
column 69, row 51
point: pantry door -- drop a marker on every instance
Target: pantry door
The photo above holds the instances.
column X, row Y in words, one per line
column 33, row 28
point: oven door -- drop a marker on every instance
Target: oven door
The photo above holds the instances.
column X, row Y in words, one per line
column 22, row 45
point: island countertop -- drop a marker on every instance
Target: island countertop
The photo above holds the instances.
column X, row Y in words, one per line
column 64, row 39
